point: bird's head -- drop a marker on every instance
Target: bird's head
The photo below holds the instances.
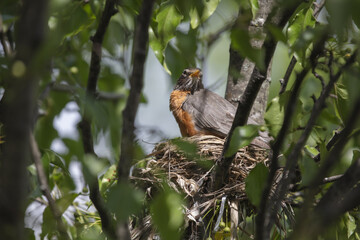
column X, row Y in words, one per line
column 190, row 80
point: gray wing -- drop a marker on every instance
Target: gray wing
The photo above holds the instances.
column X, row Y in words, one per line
column 214, row 114
column 210, row 112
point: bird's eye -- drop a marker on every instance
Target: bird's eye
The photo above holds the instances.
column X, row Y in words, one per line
column 184, row 72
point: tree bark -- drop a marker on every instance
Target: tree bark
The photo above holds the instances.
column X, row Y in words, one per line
column 17, row 116
column 241, row 70
column 107, row 223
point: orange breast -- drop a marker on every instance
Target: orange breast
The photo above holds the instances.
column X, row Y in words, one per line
column 184, row 119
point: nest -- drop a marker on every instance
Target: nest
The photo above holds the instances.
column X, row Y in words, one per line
column 189, row 171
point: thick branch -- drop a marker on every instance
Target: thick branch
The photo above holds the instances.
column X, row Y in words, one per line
column 97, row 39
column 253, row 86
column 222, row 166
column 136, row 82
column 85, row 125
column 44, row 187
column 16, row 115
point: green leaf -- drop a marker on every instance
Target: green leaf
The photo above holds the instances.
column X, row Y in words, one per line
column 75, row 149
column 209, row 8
column 124, row 200
column 276, row 32
column 312, row 150
column 167, row 214
column 308, row 169
column 340, row 15
column 56, row 159
column 355, row 6
column 68, row 19
column 254, row 7
column 240, row 41
column 108, row 179
column 187, row 147
column 194, row 18
column 299, row 32
column 29, row 234
column 300, row 22
column 110, row 81
column 175, row 61
column 64, row 202
column 167, row 18
column 350, row 224
column 45, row 132
column 93, row 166
column 187, row 45
column 241, row 137
column 48, row 227
column 201, row 11
column 274, row 116
column 255, row 183
column 341, row 101
column 115, row 34
column 157, row 46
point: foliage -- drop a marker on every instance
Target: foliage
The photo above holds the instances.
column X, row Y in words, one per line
column 178, row 39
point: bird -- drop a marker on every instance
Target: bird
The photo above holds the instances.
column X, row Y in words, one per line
column 200, row 111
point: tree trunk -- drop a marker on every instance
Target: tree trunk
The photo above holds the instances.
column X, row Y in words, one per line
column 17, row 116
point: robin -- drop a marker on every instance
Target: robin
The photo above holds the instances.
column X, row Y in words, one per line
column 200, row 111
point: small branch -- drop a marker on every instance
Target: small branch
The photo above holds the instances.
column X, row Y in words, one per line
column 331, row 206
column 289, row 70
column 44, row 186
column 293, row 61
column 319, row 77
column 107, row 96
column 97, row 40
column 324, row 181
column 215, row 36
column 318, row 8
column 140, row 49
column 337, row 193
column 293, row 157
column 263, row 219
column 330, row 144
column 331, row 179
column 85, row 125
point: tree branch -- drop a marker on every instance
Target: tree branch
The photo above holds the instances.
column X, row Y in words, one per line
column 85, row 125
column 97, row 40
column 17, row 115
column 287, row 75
column 221, row 172
column 263, row 219
column 285, row 80
column 291, row 162
column 107, row 96
column 44, row 187
column 329, row 207
column 140, row 49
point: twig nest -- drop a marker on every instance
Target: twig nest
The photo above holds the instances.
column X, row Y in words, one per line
column 185, row 165
column 187, row 171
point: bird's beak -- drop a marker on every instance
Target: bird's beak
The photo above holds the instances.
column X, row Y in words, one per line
column 196, row 73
